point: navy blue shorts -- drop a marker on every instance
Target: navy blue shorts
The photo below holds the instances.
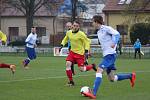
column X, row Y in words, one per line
column 31, row 53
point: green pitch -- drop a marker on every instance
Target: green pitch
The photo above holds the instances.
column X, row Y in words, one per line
column 46, row 79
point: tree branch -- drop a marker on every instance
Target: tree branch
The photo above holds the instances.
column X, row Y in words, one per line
column 40, row 4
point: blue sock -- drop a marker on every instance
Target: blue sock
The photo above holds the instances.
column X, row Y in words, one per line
column 27, row 61
column 97, row 83
column 124, row 76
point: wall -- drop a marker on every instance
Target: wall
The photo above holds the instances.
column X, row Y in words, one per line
column 113, row 19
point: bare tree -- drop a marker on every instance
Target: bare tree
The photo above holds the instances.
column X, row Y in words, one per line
column 29, row 8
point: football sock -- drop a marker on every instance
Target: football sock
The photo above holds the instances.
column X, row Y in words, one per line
column 123, row 76
column 97, row 83
column 27, row 61
column 69, row 74
column 2, row 65
column 88, row 67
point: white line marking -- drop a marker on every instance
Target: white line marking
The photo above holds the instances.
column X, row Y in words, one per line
column 57, row 77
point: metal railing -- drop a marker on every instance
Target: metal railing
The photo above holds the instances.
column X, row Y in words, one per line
column 127, row 52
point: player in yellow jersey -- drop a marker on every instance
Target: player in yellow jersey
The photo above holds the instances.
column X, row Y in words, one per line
column 79, row 48
column 12, row 67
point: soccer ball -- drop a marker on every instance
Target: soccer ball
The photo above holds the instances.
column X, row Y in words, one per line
column 84, row 89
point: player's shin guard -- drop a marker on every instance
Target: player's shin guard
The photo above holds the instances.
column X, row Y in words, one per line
column 97, row 83
column 2, row 65
column 69, row 75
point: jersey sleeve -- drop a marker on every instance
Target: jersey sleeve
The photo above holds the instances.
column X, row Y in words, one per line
column 115, row 34
column 28, row 39
column 65, row 39
column 86, row 41
column 89, row 41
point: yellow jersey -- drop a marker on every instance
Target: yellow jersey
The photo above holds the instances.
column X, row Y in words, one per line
column 3, row 37
column 78, row 42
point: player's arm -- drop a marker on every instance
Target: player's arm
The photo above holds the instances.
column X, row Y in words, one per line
column 86, row 42
column 115, row 36
column 140, row 44
column 88, row 48
column 89, row 42
column 64, row 41
column 27, row 41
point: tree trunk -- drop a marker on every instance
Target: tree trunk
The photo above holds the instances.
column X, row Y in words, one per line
column 29, row 16
column 29, row 23
column 74, row 8
column 54, row 30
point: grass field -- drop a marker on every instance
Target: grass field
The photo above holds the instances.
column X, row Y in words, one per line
column 46, row 79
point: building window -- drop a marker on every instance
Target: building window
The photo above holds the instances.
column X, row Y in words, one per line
column 122, row 29
column 41, row 31
column 13, row 33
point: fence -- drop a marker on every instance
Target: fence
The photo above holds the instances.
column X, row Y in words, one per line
column 127, row 52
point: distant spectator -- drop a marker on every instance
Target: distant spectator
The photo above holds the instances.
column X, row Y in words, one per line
column 68, row 28
column 137, row 47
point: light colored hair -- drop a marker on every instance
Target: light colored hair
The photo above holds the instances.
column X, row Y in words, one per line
column 68, row 24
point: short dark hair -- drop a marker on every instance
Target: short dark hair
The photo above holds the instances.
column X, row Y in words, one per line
column 76, row 21
column 98, row 19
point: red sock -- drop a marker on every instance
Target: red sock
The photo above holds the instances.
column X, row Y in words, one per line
column 4, row 65
column 69, row 74
column 89, row 67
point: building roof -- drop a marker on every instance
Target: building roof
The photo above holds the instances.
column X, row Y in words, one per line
column 120, row 5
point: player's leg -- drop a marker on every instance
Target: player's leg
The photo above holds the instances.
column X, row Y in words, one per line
column 121, row 76
column 31, row 55
column 97, row 83
column 69, row 73
column 69, row 61
column 135, row 53
column 10, row 66
column 80, row 60
column 27, row 60
column 72, row 68
column 86, row 60
column 98, row 80
column 118, row 77
column 139, row 53
column 106, row 62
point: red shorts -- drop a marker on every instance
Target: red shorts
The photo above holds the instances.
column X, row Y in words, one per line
column 75, row 58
